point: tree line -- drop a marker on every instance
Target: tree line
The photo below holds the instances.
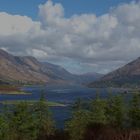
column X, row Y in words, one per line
column 34, row 122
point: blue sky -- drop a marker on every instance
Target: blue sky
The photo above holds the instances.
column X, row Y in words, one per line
column 81, row 35
column 30, row 7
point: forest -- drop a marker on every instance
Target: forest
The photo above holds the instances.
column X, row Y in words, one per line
column 114, row 118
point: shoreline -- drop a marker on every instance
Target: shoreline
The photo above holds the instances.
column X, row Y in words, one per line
column 14, row 93
column 31, row 102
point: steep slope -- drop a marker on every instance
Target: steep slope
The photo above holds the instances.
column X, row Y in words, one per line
column 57, row 72
column 20, row 69
column 27, row 69
column 126, row 75
column 88, row 77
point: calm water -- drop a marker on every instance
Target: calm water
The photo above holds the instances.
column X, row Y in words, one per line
column 64, row 94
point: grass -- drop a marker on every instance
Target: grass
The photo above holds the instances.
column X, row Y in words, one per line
column 31, row 102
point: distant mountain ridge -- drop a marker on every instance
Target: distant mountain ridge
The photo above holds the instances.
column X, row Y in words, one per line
column 27, row 69
column 126, row 75
column 58, row 72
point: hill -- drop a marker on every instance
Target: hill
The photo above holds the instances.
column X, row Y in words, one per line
column 28, row 70
column 128, row 75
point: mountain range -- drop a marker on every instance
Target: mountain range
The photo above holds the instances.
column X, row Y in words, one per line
column 28, row 70
column 128, row 75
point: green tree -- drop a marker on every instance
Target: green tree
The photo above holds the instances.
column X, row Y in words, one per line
column 76, row 127
column 98, row 111
column 44, row 123
column 134, row 111
column 4, row 127
column 78, row 105
column 116, row 111
column 22, row 123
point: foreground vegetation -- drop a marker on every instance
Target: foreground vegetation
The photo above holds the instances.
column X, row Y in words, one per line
column 99, row 119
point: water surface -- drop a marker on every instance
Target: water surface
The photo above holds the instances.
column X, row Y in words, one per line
column 65, row 94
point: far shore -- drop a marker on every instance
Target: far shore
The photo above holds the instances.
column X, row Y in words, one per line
column 31, row 102
column 14, row 93
column 11, row 90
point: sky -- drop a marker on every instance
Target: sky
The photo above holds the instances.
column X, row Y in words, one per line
column 80, row 35
column 30, row 7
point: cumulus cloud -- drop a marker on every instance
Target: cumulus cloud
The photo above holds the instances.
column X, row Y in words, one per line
column 99, row 43
column 15, row 24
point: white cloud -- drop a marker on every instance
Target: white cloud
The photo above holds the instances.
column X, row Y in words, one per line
column 15, row 24
column 51, row 14
column 100, row 43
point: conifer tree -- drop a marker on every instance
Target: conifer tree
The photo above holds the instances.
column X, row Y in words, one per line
column 134, row 111
column 22, row 123
column 76, row 126
column 3, row 128
column 98, row 111
column 44, row 122
column 116, row 111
